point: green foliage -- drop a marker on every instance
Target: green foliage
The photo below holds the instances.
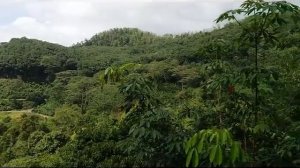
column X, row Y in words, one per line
column 32, row 59
column 121, row 37
column 51, row 142
column 214, row 146
column 45, row 160
column 138, row 92
column 107, row 99
column 115, row 74
column 79, row 92
column 25, row 161
column 67, row 118
column 34, row 138
column 161, row 101
column 154, row 138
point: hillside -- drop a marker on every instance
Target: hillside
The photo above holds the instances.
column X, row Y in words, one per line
column 127, row 98
column 33, row 60
column 120, row 37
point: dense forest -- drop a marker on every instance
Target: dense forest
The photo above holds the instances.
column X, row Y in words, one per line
column 125, row 97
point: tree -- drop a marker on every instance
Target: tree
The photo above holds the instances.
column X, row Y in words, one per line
column 79, row 92
column 264, row 20
column 260, row 28
column 67, row 118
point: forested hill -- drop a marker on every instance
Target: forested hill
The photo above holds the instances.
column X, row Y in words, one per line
column 38, row 61
column 126, row 97
column 120, row 37
column 34, row 60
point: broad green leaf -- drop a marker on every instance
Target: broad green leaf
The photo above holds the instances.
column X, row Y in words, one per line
column 229, row 139
column 212, row 153
column 212, row 137
column 200, row 134
column 219, row 155
column 217, row 137
column 196, row 159
column 186, row 147
column 224, row 137
column 200, row 145
column 194, row 140
column 106, row 71
column 235, row 151
column 189, row 157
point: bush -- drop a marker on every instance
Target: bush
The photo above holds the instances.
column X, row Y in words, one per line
column 51, row 142
column 67, row 117
column 46, row 109
column 29, row 161
column 6, row 105
column 33, row 139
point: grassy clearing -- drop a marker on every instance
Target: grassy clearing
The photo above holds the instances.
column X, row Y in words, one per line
column 15, row 115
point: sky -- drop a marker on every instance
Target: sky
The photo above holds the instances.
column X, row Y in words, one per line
column 67, row 22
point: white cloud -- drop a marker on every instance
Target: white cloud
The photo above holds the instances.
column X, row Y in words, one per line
column 70, row 21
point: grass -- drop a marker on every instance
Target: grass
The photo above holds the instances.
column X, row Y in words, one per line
column 15, row 115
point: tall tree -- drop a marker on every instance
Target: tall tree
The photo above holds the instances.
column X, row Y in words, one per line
column 264, row 20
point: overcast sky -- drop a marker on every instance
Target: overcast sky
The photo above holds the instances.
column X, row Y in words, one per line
column 69, row 21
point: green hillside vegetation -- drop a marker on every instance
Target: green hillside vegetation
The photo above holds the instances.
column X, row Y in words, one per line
column 120, row 37
column 125, row 97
